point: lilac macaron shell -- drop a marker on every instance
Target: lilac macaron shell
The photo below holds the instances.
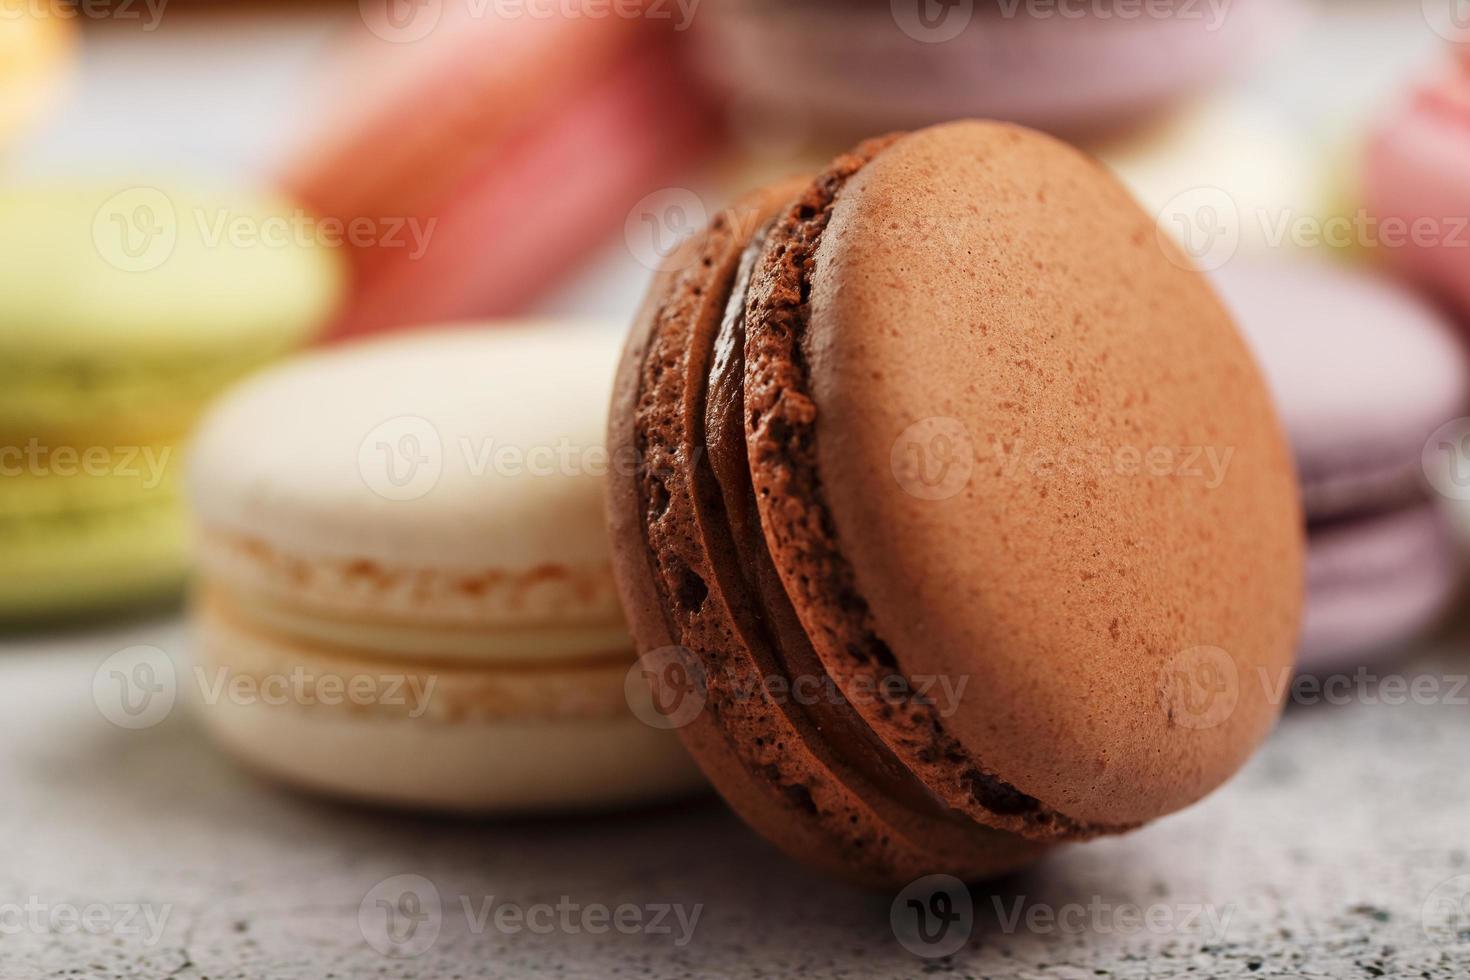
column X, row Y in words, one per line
column 1363, row 371
column 862, row 67
column 1373, row 583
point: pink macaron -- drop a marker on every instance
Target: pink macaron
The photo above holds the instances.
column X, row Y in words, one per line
column 474, row 159
column 1417, row 183
column 1364, row 371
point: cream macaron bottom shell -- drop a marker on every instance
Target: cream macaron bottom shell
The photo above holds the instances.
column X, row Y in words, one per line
column 428, row 733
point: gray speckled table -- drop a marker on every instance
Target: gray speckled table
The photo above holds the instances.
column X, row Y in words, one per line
column 142, row 853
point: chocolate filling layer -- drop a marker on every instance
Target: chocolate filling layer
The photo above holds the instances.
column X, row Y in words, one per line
column 727, row 497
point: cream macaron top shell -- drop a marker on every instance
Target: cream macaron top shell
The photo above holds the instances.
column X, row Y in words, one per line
column 435, row 493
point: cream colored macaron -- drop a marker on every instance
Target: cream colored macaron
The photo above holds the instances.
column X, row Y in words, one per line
column 406, row 593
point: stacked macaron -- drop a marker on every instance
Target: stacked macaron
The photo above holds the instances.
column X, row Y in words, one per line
column 122, row 311
column 1364, row 372
column 404, row 541
column 471, row 155
column 1417, row 183
column 857, row 68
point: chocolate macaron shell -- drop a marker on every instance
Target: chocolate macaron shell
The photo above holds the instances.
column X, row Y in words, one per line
column 693, row 605
column 1112, row 562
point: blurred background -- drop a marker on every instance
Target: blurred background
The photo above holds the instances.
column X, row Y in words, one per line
column 196, row 191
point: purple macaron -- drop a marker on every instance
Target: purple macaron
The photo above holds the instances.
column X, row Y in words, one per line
column 1080, row 69
column 1364, row 372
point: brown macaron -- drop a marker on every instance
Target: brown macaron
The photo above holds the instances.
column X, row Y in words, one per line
column 961, row 514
